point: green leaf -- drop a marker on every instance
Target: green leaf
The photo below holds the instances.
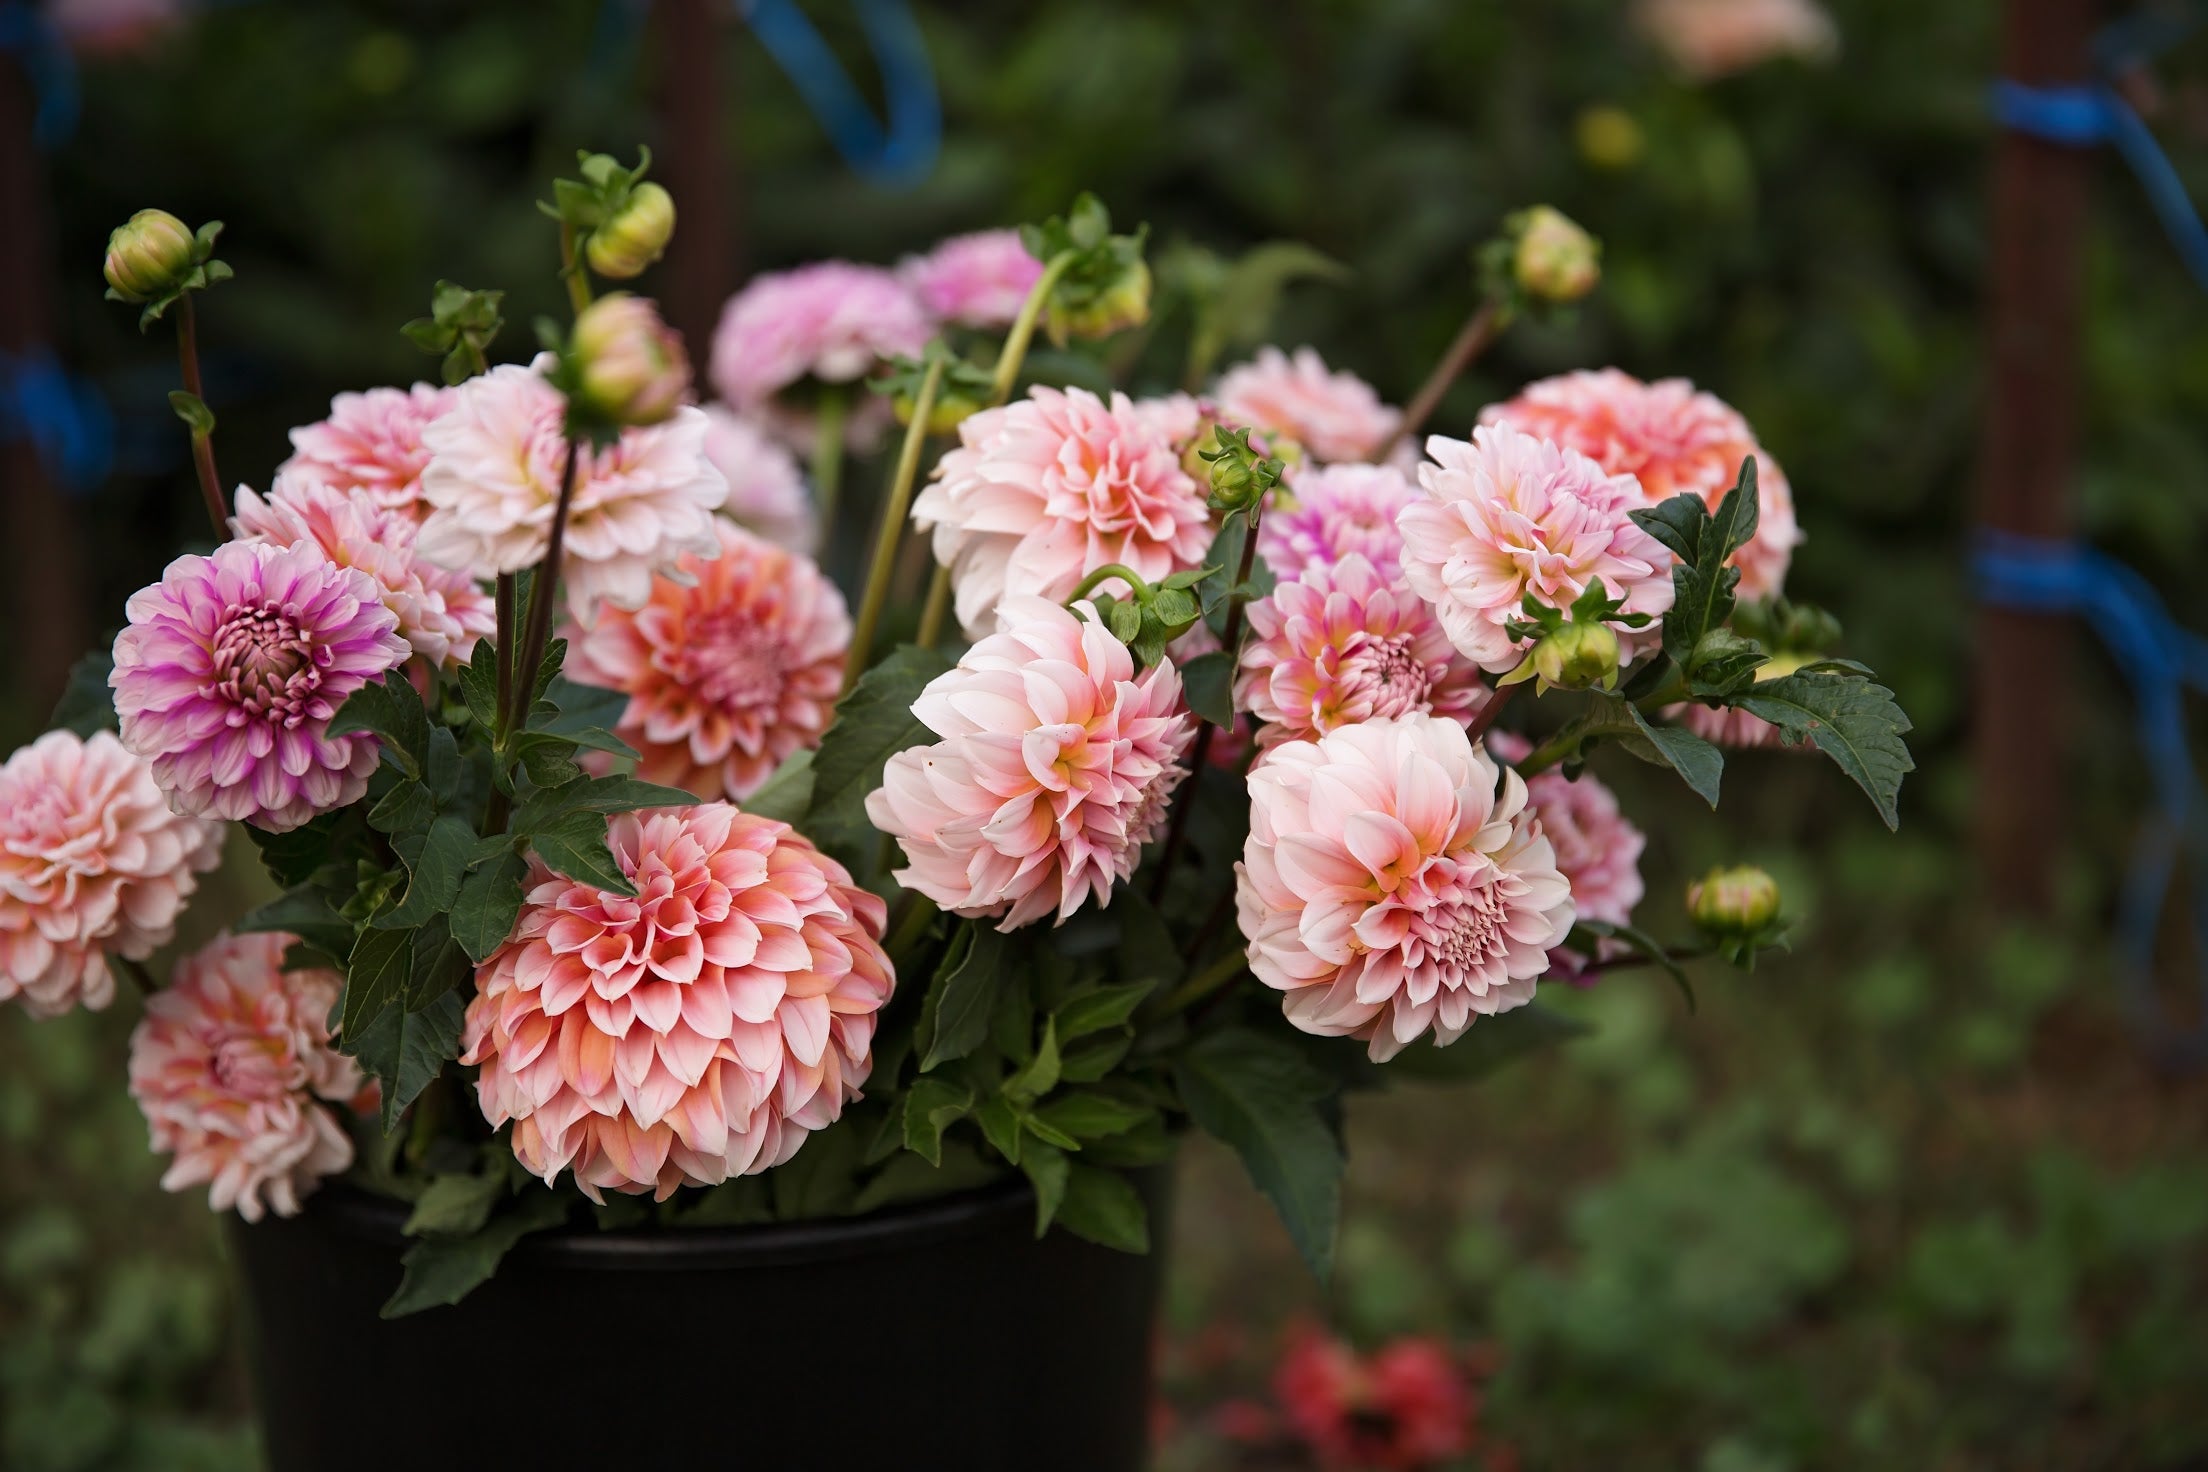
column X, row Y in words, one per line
column 193, row 410
column 955, row 1015
column 1000, row 1126
column 1089, row 1114
column 575, row 845
column 407, row 805
column 1146, row 950
column 580, row 706
column 1260, row 1096
column 1702, row 585
column 490, row 899
column 549, row 760
column 1099, row 1008
column 1850, row 719
column 1102, row 1206
column 1048, row 1171
column 455, row 1205
column 479, row 685
column 305, row 912
column 786, row 794
column 1226, row 555
column 1488, row 1045
column 1049, row 1133
column 333, row 839
column 375, row 979
column 406, row 1050
column 1207, row 682
column 873, row 722
column 933, row 1105
column 1040, row 1074
column 1699, row 764
column 555, row 806
column 439, row 964
column 87, row 704
column 443, row 1270
column 1094, row 1058
column 391, row 711
column 433, row 877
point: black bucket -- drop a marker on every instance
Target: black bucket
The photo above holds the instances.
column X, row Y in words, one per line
column 941, row 1335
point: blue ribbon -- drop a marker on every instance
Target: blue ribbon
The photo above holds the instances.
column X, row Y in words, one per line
column 45, row 59
column 905, row 150
column 67, row 420
column 2159, row 660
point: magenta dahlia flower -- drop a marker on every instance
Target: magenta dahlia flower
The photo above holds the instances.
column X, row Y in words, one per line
column 1043, row 491
column 697, row 1032
column 1393, row 884
column 728, row 669
column 441, row 613
column 1055, row 767
column 978, row 280
column 371, row 442
column 1333, row 416
column 1508, row 515
column 93, row 864
column 1333, row 511
column 767, row 493
column 1340, row 645
column 831, row 322
column 494, row 481
column 1672, row 439
column 230, row 670
column 233, row 1068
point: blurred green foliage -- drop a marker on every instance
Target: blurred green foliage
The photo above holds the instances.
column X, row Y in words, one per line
column 1907, row 1200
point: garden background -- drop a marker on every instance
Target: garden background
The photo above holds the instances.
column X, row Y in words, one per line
column 1913, row 1197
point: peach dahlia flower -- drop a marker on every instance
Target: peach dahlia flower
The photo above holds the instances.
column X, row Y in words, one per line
column 1333, row 416
column 371, row 442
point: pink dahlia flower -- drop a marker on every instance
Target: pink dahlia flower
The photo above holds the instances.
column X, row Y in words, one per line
column 830, row 322
column 441, row 613
column 1597, row 849
column 1333, row 511
column 696, row 1032
column 1056, row 766
column 1393, row 884
column 1333, row 416
column 92, row 863
column 1507, row 515
column 1672, row 439
column 1043, row 491
column 494, row 481
column 1707, row 39
column 767, row 493
column 1735, row 728
column 728, row 669
column 371, row 442
column 229, row 672
column 978, row 280
column 1340, row 645
column 233, row 1068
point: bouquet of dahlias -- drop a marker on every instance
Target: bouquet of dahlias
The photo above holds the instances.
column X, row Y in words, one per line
column 623, row 869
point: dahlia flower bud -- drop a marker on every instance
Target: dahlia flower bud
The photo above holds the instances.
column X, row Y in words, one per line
column 1578, row 656
column 1555, row 260
column 1733, row 902
column 947, row 413
column 1115, row 307
column 1609, row 138
column 635, row 236
column 630, row 366
column 149, row 255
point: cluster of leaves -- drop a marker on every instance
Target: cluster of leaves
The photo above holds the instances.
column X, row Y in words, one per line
column 1102, row 277
column 459, row 330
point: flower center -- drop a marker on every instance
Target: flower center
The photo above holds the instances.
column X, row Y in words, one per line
column 734, row 663
column 266, row 664
column 1389, row 670
column 251, row 1066
column 1465, row 930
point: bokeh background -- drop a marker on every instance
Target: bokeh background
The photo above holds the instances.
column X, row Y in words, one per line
column 1913, row 1197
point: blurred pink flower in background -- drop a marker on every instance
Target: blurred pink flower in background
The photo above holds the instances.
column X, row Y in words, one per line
column 1507, row 516
column 696, row 1032
column 977, row 280
column 1671, row 438
column 1407, row 1407
column 230, row 670
column 1055, row 768
column 831, row 322
column 1333, row 511
column 1707, row 39
column 114, row 27
column 767, row 493
column 233, row 1067
column 372, row 441
column 728, row 670
column 494, row 481
column 1597, row 849
column 93, row 864
column 1051, row 487
column 1395, row 883
column 1333, row 416
column 441, row 613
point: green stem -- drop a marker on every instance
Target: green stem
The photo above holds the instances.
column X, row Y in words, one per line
column 1204, row 982
column 893, row 525
column 495, row 810
column 572, row 271
column 1481, row 328
column 136, row 971
column 1104, row 574
column 938, row 604
column 828, row 456
column 915, row 913
column 1477, row 726
column 1014, row 351
column 546, row 588
column 203, row 447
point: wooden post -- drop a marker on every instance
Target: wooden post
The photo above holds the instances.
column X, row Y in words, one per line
column 2028, row 453
column 702, row 265
column 41, row 557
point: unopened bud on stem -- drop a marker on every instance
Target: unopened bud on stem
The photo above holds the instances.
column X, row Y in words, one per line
column 629, row 366
column 1555, row 261
column 150, row 255
column 1739, row 901
column 635, row 236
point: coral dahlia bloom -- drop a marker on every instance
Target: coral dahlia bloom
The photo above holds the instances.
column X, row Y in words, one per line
column 1041, row 492
column 1597, row 849
column 830, row 322
column 441, row 613
column 1333, row 511
column 1340, row 645
column 371, row 442
column 233, row 1068
column 1672, row 438
column 494, row 481
column 92, row 863
column 229, row 672
column 696, row 1032
column 1333, row 416
column 1394, row 884
column 767, row 493
column 1056, row 766
column 728, row 669
column 978, row 280
column 1509, row 515
column 1406, row 1408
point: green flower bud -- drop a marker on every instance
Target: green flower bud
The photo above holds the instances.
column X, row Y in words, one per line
column 150, row 255
column 1577, row 657
column 634, row 237
column 1609, row 138
column 1555, row 261
column 1740, row 901
column 1123, row 304
column 629, row 364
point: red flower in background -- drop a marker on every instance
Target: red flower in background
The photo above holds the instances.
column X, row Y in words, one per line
column 1404, row 1408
